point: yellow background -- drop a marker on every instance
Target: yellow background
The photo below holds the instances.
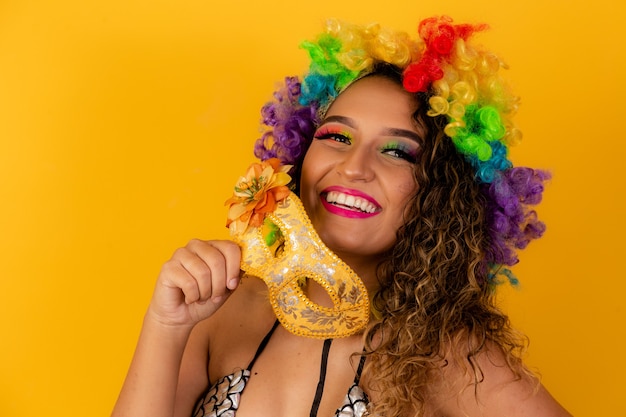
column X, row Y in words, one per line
column 124, row 124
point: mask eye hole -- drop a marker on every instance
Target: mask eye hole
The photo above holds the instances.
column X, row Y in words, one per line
column 274, row 238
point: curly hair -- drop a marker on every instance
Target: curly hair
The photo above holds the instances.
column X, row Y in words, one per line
column 434, row 296
column 465, row 224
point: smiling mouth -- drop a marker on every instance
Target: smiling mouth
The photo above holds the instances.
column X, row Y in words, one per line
column 350, row 202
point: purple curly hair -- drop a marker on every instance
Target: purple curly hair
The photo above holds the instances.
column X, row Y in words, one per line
column 291, row 125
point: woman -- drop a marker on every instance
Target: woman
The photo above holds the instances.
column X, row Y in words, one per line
column 399, row 154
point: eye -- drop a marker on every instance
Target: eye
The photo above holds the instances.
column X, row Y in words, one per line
column 334, row 135
column 337, row 137
column 400, row 151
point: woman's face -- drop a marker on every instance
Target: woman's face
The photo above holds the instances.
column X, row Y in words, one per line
column 357, row 175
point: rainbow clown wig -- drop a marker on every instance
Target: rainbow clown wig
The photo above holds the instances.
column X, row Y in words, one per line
column 460, row 82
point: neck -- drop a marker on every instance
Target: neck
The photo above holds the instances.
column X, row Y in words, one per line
column 365, row 268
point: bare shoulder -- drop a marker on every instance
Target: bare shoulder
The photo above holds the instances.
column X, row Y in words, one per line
column 223, row 342
column 234, row 332
column 489, row 389
column 246, row 313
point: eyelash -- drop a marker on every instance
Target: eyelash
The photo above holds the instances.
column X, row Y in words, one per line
column 401, row 151
column 336, row 136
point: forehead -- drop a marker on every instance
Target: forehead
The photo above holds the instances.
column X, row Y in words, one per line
column 380, row 98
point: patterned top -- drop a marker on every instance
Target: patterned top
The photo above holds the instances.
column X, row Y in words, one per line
column 223, row 398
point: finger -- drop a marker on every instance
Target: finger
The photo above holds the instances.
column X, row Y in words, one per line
column 175, row 275
column 215, row 261
column 232, row 255
column 206, row 274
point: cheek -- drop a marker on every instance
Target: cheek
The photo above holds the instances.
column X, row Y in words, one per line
column 406, row 187
column 309, row 177
column 313, row 167
column 305, row 176
column 404, row 192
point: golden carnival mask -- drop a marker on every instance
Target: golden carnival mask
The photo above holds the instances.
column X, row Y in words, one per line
column 282, row 248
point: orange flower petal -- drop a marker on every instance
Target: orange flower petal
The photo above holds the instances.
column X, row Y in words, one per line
column 236, row 211
column 245, row 209
column 274, row 163
column 256, row 220
column 268, row 206
column 280, row 193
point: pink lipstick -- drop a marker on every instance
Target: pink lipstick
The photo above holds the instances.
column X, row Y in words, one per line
column 349, row 203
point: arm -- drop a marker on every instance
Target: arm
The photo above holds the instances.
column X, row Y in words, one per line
column 190, row 288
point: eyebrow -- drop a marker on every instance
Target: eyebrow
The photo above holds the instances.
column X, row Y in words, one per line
column 391, row 131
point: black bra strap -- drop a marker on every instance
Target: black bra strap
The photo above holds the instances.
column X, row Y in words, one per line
column 320, row 385
column 264, row 343
column 359, row 370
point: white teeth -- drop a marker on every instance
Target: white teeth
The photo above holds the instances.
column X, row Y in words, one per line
column 351, row 201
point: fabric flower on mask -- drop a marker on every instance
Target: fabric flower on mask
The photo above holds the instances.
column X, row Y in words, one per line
column 257, row 194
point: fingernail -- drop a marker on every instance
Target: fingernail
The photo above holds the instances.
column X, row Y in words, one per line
column 232, row 284
column 217, row 299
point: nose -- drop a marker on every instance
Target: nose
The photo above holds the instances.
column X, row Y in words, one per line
column 356, row 165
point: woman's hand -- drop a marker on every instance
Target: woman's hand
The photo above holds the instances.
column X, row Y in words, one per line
column 192, row 285
column 195, row 282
